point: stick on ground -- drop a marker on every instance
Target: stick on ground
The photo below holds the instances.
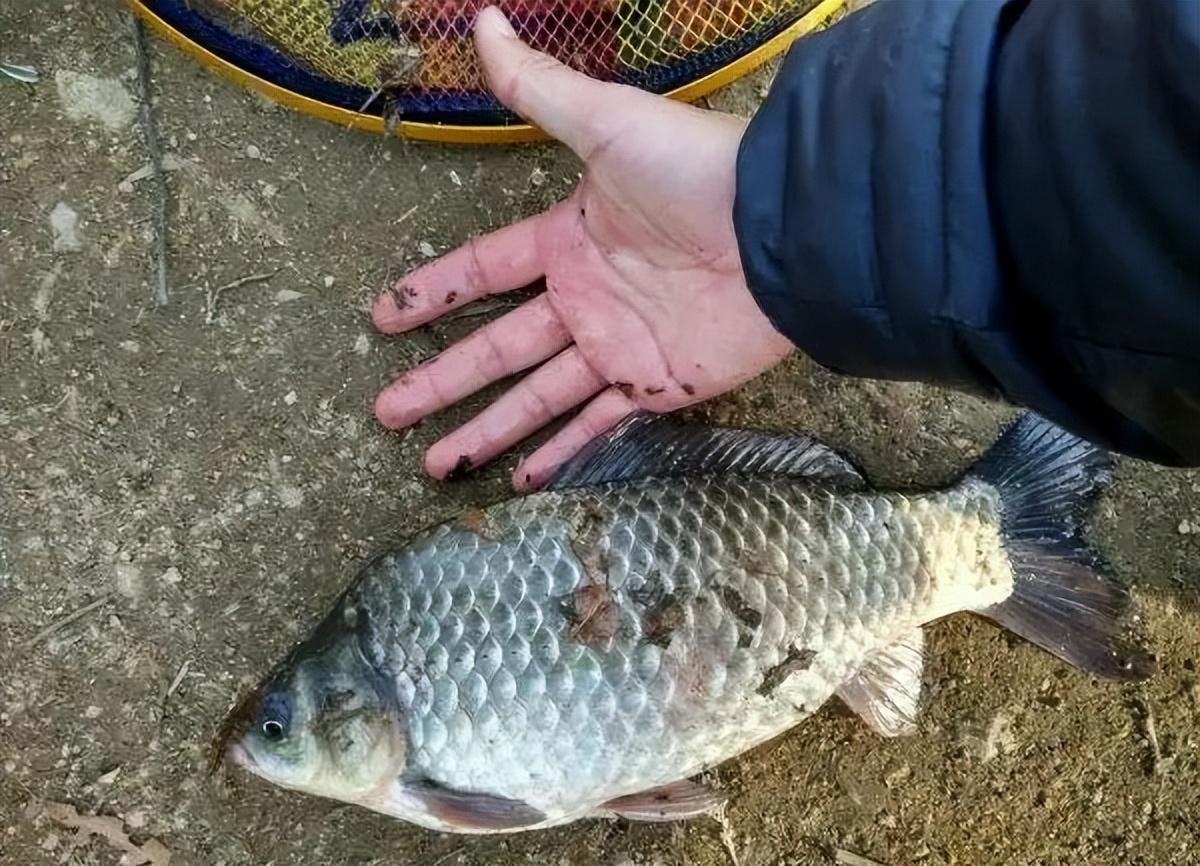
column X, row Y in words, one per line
column 214, row 295
column 849, row 858
column 149, row 124
column 68, row 619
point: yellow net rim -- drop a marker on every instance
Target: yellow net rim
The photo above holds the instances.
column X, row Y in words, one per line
column 452, row 133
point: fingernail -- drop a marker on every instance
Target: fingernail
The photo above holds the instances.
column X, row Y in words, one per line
column 461, row 467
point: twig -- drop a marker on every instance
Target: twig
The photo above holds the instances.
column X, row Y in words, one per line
column 1160, row 763
column 726, row 834
column 214, row 295
column 175, row 683
column 849, row 858
column 183, row 670
column 149, row 126
column 68, row 619
column 439, row 861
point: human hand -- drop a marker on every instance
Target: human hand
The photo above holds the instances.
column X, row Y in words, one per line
column 646, row 305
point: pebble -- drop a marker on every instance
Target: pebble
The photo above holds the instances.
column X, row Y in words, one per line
column 1186, row 527
column 128, row 580
column 289, row 495
column 285, row 295
column 171, row 576
column 64, row 228
column 290, row 398
column 537, row 177
column 90, row 98
column 427, row 249
column 329, row 281
column 362, row 345
column 252, row 152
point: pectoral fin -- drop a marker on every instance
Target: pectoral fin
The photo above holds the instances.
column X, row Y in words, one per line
column 677, row 801
column 887, row 689
column 473, row 811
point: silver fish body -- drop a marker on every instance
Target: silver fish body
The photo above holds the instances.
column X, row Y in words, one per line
column 556, row 653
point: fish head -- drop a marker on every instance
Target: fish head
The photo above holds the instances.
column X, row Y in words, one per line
column 324, row 724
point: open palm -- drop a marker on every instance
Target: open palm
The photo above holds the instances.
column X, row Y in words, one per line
column 645, row 306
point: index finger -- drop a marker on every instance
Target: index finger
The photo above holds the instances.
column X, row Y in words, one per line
column 497, row 262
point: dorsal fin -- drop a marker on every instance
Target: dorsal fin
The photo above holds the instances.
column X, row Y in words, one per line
column 645, row 445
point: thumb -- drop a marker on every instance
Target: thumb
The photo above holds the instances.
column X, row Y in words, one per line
column 562, row 102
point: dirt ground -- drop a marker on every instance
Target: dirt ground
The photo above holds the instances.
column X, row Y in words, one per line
column 195, row 483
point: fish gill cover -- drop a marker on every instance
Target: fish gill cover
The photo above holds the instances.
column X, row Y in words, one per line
column 414, row 59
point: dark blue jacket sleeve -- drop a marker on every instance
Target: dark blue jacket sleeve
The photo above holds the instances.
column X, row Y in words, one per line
column 1002, row 196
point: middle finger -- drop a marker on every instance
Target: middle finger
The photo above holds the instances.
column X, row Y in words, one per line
column 516, row 341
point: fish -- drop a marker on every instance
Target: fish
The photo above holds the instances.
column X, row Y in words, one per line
column 677, row 595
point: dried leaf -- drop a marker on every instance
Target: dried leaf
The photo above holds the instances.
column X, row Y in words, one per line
column 112, row 830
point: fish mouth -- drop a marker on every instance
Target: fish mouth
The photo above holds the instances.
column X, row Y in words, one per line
column 237, row 755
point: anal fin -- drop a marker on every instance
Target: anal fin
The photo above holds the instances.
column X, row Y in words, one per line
column 886, row 690
column 677, row 801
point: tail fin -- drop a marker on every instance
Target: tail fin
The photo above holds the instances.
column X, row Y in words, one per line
column 1048, row 480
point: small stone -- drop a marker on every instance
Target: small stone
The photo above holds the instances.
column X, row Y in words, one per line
column 64, row 228
column 171, row 576
column 290, row 398
column 283, row 296
column 125, row 187
column 329, row 281
column 89, row 98
column 130, row 346
column 994, row 740
column 455, row 178
column 252, row 152
column 537, row 177
column 427, row 249
column 289, row 495
column 128, row 580
column 109, row 777
column 1186, row 527
column 92, row 712
column 362, row 345
column 136, row 819
column 897, row 776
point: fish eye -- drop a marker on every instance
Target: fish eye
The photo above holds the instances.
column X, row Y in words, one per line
column 275, row 717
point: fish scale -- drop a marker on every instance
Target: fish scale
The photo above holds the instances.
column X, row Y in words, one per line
column 489, row 625
column 679, row 597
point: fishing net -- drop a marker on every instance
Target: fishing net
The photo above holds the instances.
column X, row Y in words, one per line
column 414, row 59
